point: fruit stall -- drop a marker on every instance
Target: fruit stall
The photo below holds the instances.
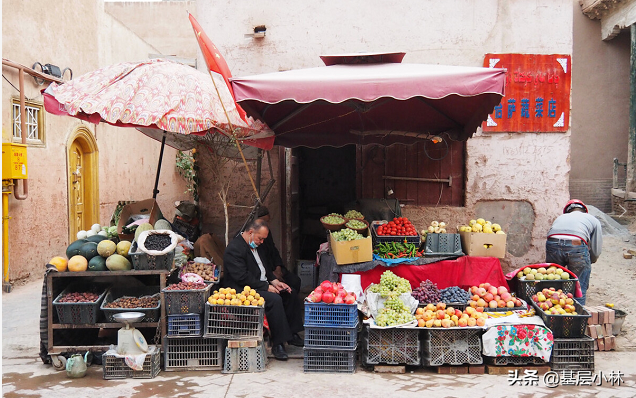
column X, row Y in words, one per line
column 149, row 298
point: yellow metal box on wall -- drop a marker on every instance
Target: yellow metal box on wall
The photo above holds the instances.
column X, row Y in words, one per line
column 352, row 251
column 14, row 161
column 479, row 244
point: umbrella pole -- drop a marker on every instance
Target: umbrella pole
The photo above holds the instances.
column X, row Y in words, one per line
column 238, row 145
column 163, row 145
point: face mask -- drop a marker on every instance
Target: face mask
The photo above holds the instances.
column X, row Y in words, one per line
column 252, row 244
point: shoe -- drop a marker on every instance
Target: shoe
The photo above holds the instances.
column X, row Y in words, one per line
column 279, row 352
column 296, row 341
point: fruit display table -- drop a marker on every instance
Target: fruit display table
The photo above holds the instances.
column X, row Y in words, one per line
column 66, row 337
column 462, row 271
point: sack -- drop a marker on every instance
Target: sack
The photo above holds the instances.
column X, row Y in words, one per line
column 375, row 302
column 174, row 241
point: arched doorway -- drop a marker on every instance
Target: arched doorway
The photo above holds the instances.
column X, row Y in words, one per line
column 83, row 174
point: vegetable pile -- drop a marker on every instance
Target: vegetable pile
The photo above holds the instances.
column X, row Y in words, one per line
column 134, row 302
column 398, row 250
column 186, row 286
column 400, row 226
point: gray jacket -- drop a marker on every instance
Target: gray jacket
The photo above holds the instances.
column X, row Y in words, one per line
column 583, row 225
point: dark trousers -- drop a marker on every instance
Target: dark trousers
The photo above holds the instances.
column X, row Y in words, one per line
column 575, row 257
column 284, row 315
column 291, row 279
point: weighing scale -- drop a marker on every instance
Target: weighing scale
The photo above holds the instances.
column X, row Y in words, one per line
column 130, row 341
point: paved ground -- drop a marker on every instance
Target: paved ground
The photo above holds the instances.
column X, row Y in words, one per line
column 24, row 375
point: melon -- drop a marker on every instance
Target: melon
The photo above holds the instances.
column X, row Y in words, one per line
column 77, row 264
column 163, row 225
column 106, row 248
column 141, row 228
column 97, row 263
column 123, row 248
column 61, row 264
column 118, row 262
column 88, row 250
column 73, row 248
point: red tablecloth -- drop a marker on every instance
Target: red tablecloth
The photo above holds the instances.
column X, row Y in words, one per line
column 464, row 272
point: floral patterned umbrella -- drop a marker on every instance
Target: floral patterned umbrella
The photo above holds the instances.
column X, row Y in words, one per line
column 160, row 98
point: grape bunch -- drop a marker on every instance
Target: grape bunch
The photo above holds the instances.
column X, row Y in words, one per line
column 394, row 313
column 346, row 234
column 391, row 285
column 427, row 292
column 333, row 219
column 356, row 224
column 454, row 294
column 353, row 214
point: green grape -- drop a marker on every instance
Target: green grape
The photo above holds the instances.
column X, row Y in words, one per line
column 346, row 234
column 353, row 214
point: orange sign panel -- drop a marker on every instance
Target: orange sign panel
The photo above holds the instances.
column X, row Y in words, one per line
column 537, row 93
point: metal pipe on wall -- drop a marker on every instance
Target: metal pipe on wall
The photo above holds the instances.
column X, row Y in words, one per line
column 23, row 133
column 6, row 191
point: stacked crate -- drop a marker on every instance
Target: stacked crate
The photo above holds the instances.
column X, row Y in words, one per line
column 599, row 328
column 392, row 346
column 185, row 347
column 331, row 337
column 241, row 328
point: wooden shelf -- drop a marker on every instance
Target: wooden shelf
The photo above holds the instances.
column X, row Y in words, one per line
column 103, row 325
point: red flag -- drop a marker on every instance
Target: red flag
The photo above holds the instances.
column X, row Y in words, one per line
column 214, row 60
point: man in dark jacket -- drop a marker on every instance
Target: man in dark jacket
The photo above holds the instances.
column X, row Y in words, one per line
column 244, row 266
column 275, row 261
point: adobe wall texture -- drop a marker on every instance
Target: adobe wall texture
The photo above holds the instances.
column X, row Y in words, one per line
column 81, row 36
column 532, row 168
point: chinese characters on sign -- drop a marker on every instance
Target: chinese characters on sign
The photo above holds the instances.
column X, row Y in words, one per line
column 537, row 93
column 553, row 379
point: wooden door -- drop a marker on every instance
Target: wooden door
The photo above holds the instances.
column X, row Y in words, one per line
column 83, row 175
column 290, row 197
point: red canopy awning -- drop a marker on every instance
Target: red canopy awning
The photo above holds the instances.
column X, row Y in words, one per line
column 382, row 103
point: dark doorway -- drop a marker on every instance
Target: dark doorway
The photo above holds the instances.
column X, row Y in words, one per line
column 327, row 183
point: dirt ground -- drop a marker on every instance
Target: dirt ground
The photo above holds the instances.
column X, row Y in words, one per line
column 613, row 280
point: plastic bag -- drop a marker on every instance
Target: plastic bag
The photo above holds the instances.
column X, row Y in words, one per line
column 375, row 302
column 174, row 241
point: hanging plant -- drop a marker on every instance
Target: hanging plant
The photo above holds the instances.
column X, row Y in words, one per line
column 187, row 168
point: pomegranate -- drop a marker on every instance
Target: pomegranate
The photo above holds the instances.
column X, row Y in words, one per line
column 350, row 298
column 338, row 300
column 315, row 296
column 326, row 286
column 328, row 297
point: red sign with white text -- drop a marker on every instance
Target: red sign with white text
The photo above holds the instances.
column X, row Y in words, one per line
column 537, row 93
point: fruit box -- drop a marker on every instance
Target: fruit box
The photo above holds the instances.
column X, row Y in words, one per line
column 352, row 251
column 148, row 207
column 479, row 244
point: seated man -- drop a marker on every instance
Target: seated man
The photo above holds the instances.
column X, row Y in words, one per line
column 243, row 266
column 275, row 262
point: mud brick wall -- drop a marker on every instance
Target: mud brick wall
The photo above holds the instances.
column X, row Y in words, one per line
column 596, row 192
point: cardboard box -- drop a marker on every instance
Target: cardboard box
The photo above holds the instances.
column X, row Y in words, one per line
column 352, row 251
column 479, row 244
column 143, row 207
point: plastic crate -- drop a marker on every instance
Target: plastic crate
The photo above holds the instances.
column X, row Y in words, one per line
column 573, row 354
column 245, row 359
column 565, row 325
column 396, row 346
column 186, row 301
column 329, row 361
column 115, row 367
column 80, row 313
column 143, row 261
column 233, row 322
column 151, row 314
column 392, row 238
column 193, row 353
column 526, row 289
column 331, row 338
column 187, row 230
column 186, row 325
column 443, row 245
column 452, row 347
column 331, row 315
column 308, row 274
column 501, row 361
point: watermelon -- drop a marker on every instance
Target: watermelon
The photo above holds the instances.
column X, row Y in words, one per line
column 96, row 238
column 163, row 224
column 97, row 263
column 73, row 248
column 88, row 250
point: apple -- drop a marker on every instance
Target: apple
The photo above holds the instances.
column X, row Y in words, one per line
column 481, row 321
column 463, row 322
column 501, row 304
column 458, row 313
column 492, row 304
column 441, row 306
column 510, row 304
column 486, row 285
column 501, row 290
column 535, row 298
column 506, row 296
column 489, row 297
column 472, row 321
column 440, row 314
column 481, row 292
column 492, row 290
column 570, row 295
column 479, row 309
